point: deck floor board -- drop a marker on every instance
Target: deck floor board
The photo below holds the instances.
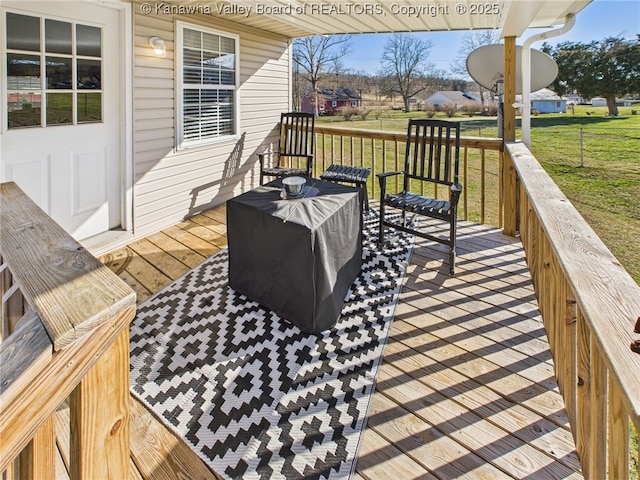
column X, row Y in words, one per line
column 466, row 389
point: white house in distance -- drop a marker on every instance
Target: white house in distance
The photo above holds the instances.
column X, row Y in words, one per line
column 459, row 99
column 546, row 101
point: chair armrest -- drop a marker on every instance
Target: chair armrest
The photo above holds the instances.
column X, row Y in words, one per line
column 266, row 152
column 388, row 174
column 456, row 190
column 262, row 155
column 382, row 179
column 310, row 165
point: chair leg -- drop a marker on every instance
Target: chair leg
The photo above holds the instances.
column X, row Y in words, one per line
column 381, row 226
column 452, row 247
column 452, row 261
column 363, row 186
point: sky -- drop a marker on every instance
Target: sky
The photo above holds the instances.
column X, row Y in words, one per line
column 598, row 20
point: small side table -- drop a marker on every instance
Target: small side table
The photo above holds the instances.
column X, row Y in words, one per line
column 348, row 174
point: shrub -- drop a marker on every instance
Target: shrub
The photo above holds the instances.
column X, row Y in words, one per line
column 450, row 109
column 364, row 113
column 471, row 108
column 348, row 112
column 429, row 109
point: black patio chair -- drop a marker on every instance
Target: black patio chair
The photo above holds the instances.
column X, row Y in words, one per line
column 294, row 154
column 432, row 159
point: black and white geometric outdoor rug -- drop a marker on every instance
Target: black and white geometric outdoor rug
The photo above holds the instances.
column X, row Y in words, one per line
column 253, row 395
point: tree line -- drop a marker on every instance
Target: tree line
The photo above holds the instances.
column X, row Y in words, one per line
column 609, row 68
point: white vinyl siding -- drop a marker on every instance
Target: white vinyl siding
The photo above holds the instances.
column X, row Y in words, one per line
column 207, row 70
column 170, row 183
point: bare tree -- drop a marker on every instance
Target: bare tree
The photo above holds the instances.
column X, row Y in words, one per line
column 317, row 57
column 404, row 59
column 471, row 41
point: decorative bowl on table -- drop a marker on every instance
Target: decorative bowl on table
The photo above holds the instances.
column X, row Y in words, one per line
column 293, row 186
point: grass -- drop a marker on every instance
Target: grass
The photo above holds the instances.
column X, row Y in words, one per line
column 595, row 163
column 593, row 158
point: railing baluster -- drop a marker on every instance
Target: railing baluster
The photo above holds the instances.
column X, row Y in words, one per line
column 483, row 186
column 618, row 448
column 582, row 432
column 465, row 185
column 397, row 167
column 501, row 188
column 324, row 153
column 373, row 157
column 99, row 408
column 37, row 460
column 597, row 455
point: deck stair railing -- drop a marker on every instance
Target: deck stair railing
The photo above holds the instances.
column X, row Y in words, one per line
column 64, row 342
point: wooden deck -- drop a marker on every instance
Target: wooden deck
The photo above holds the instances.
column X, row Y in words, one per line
column 466, row 389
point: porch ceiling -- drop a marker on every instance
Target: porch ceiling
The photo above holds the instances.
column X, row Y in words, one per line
column 300, row 18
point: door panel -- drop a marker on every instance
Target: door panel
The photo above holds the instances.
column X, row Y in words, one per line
column 33, row 177
column 63, row 79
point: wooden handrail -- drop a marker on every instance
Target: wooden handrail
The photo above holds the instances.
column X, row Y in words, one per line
column 64, row 335
column 589, row 306
column 465, row 141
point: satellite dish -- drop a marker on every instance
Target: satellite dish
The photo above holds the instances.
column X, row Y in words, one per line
column 486, row 67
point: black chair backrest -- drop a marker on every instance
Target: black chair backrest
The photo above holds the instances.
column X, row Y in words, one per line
column 296, row 134
column 433, row 152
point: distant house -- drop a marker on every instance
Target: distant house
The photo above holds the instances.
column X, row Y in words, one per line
column 598, row 102
column 331, row 101
column 546, row 101
column 574, row 99
column 459, row 99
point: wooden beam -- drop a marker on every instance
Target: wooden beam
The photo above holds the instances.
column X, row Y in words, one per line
column 509, row 117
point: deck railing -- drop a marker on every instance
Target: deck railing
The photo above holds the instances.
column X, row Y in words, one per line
column 383, row 151
column 589, row 305
column 64, row 341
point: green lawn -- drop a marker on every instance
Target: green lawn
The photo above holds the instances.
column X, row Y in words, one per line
column 594, row 159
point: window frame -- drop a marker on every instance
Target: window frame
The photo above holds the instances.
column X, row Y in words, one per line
column 180, row 142
column 43, row 54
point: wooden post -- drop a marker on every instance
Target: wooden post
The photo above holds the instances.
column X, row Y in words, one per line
column 100, row 417
column 509, row 117
column 509, row 196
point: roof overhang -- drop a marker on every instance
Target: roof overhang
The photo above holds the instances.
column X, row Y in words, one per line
column 301, row 18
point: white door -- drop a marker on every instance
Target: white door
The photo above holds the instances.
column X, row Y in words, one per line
column 61, row 113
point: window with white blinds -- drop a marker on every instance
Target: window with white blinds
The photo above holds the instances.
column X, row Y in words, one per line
column 208, row 69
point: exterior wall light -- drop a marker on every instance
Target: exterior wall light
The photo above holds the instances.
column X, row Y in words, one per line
column 159, row 48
